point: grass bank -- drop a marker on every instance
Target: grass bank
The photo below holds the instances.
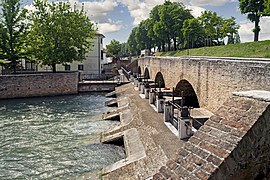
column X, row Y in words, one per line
column 259, row 49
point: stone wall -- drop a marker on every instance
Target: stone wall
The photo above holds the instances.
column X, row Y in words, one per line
column 233, row 144
column 213, row 79
column 45, row 84
column 97, row 86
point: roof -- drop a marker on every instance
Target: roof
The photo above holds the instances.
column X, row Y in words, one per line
column 99, row 34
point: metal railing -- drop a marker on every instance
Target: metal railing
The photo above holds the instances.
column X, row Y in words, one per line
column 126, row 73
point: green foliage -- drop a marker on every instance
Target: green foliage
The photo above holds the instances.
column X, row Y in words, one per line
column 255, row 9
column 258, row 49
column 172, row 16
column 267, row 6
column 132, row 43
column 166, row 24
column 59, row 35
column 13, row 32
column 212, row 24
column 230, row 29
column 193, row 32
column 114, row 48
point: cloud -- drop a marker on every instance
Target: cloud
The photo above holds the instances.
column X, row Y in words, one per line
column 247, row 35
column 95, row 9
column 30, row 8
column 196, row 11
column 139, row 10
column 97, row 12
column 209, row 2
column 110, row 26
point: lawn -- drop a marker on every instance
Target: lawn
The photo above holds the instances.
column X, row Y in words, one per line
column 260, row 49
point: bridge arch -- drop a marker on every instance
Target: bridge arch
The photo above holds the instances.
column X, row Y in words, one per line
column 159, row 80
column 146, row 74
column 139, row 70
column 190, row 97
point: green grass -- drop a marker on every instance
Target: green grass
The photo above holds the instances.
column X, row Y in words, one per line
column 259, row 49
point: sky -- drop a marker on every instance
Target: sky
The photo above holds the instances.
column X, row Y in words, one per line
column 116, row 18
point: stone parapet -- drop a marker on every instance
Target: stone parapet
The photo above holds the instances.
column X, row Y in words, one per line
column 212, row 78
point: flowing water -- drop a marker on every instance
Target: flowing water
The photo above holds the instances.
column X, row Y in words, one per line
column 54, row 137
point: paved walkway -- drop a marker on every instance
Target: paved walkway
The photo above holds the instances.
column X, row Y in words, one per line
column 159, row 143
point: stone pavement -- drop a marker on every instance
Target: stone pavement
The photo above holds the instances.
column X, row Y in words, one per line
column 159, row 143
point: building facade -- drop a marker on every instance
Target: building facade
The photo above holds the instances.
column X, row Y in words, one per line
column 92, row 65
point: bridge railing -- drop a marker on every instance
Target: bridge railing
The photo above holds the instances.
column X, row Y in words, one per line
column 126, row 73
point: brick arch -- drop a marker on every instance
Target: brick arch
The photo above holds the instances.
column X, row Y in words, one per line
column 159, row 80
column 190, row 97
column 146, row 73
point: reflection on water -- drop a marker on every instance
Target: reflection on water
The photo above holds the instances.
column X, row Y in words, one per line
column 54, row 137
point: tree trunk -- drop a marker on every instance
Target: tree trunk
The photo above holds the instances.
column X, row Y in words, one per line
column 54, row 68
column 163, row 46
column 257, row 28
column 169, row 44
column 174, row 44
column 14, row 63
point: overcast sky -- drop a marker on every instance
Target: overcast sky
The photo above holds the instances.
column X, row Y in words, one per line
column 116, row 18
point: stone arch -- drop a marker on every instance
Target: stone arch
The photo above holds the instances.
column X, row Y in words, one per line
column 139, row 70
column 159, row 80
column 190, row 97
column 146, row 74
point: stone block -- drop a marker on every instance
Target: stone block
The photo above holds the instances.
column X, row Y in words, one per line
column 215, row 160
column 172, row 165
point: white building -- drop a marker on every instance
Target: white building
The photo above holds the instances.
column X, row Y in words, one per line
column 92, row 65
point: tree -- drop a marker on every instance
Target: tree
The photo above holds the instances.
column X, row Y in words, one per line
column 124, row 50
column 172, row 16
column 229, row 29
column 114, row 47
column 132, row 43
column 59, row 35
column 267, row 6
column 212, row 24
column 255, row 9
column 13, row 32
column 193, row 32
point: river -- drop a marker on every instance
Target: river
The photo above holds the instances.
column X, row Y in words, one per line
column 54, row 137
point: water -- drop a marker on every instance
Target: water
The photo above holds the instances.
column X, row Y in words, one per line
column 54, row 137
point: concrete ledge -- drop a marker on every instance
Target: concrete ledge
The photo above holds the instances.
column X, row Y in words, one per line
column 112, row 103
column 125, row 119
column 133, row 147
column 123, row 102
column 111, row 94
column 112, row 116
column 255, row 94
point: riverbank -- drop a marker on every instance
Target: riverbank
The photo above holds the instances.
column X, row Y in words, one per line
column 159, row 143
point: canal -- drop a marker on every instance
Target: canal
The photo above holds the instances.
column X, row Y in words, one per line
column 54, row 137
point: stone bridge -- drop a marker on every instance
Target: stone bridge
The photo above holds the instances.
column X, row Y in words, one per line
column 207, row 81
column 234, row 143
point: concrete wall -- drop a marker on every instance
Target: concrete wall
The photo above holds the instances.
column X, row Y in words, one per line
column 47, row 84
column 213, row 79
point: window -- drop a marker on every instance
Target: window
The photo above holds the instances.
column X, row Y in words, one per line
column 101, row 54
column 101, row 40
column 80, row 67
column 67, row 67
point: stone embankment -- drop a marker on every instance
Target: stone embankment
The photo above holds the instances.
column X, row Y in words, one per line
column 155, row 141
column 40, row 84
column 233, row 144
